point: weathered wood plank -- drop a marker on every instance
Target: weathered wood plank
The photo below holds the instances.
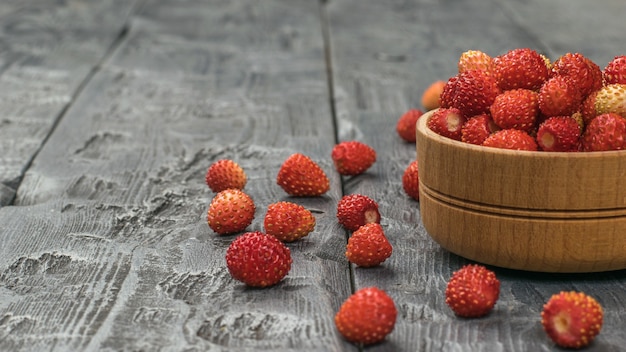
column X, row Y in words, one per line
column 188, row 85
column 383, row 55
column 48, row 50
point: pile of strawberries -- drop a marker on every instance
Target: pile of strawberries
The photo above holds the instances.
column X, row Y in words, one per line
column 521, row 100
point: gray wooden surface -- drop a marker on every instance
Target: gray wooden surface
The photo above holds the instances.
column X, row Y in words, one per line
column 111, row 111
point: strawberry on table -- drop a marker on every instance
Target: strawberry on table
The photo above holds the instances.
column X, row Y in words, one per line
column 430, row 97
column 288, row 221
column 559, row 134
column 406, row 124
column 230, row 211
column 472, row 291
column 258, row 259
column 301, row 177
column 605, row 132
column 356, row 210
column 410, row 181
column 224, row 174
column 447, row 122
column 572, row 319
column 353, row 157
column 366, row 317
column 511, row 139
column 368, row 246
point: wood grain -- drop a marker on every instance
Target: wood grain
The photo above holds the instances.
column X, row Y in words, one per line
column 49, row 51
column 383, row 57
column 186, row 86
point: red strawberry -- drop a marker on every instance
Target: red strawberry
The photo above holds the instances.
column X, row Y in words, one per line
column 476, row 91
column 605, row 132
column 472, row 291
column 367, row 316
column 584, row 73
column 225, row 174
column 511, row 139
column 615, row 71
column 406, row 124
column 559, row 134
column 517, row 108
column 430, row 97
column 447, row 122
column 520, row 68
column 588, row 107
column 301, row 177
column 258, row 259
column 230, row 211
column 410, row 181
column 559, row 97
column 477, row 129
column 611, row 98
column 353, row 157
column 368, row 246
column 288, row 221
column 356, row 210
column 448, row 92
column 476, row 60
column 572, row 319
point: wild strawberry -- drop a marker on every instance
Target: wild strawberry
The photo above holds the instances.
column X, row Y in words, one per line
column 472, row 291
column 475, row 92
column 410, row 181
column 367, row 316
column 224, row 174
column 511, row 139
column 356, row 210
column 605, row 132
column 406, row 124
column 230, row 211
column 352, row 157
column 430, row 97
column 572, row 319
column 611, row 98
column 615, row 71
column 584, row 73
column 368, row 246
column 559, row 96
column 448, row 93
column 447, row 122
column 520, row 68
column 476, row 60
column 588, row 107
column 477, row 129
column 517, row 108
column 288, row 221
column 301, row 177
column 559, row 134
column 258, row 259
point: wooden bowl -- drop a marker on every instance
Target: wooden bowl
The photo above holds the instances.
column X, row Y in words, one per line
column 536, row 211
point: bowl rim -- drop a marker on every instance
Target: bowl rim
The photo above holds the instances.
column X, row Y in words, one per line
column 422, row 127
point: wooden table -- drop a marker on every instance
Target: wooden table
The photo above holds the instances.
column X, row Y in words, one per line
column 111, row 111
